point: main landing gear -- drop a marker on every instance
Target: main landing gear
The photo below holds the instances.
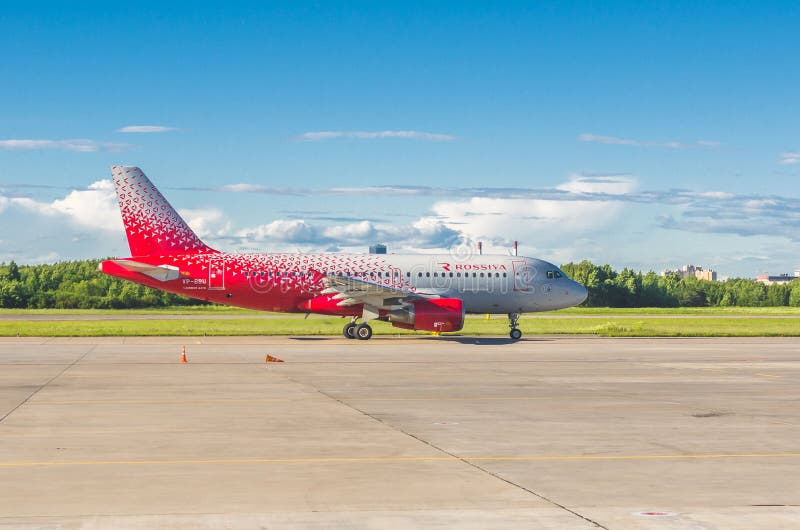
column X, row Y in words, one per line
column 352, row 330
column 513, row 322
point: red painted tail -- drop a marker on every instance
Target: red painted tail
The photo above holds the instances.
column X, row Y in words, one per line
column 153, row 227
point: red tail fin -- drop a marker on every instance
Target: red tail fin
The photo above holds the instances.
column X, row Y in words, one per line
column 152, row 225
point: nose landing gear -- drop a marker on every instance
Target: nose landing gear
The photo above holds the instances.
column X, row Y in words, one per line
column 513, row 323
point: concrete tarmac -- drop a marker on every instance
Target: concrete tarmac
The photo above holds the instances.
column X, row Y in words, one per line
column 447, row 432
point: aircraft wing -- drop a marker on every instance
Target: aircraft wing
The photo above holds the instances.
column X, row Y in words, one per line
column 354, row 291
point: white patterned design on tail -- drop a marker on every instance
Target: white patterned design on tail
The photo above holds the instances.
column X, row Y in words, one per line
column 153, row 226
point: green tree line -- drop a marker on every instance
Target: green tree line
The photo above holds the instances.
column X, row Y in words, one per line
column 79, row 285
column 628, row 288
column 76, row 285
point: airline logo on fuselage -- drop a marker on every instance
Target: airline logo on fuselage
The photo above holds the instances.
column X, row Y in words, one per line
column 472, row 266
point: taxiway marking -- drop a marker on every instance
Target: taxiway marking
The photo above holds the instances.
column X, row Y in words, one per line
column 270, row 400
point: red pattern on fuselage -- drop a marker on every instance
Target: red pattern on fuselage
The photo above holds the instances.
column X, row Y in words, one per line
column 270, row 282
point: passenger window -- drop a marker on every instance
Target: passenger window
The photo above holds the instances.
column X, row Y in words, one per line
column 427, row 274
column 481, row 275
column 262, row 274
column 475, row 275
column 458, row 275
column 505, row 275
column 419, row 274
column 451, row 274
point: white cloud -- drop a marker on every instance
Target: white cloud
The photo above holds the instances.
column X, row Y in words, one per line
column 76, row 145
column 95, row 207
column 544, row 221
column 611, row 184
column 424, row 233
column 721, row 195
column 286, row 230
column 244, row 188
column 208, row 222
column 82, row 224
column 363, row 230
column 614, row 140
column 371, row 135
column 600, row 217
column 145, row 129
column 791, row 157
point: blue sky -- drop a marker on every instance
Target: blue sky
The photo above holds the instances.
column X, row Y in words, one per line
column 633, row 133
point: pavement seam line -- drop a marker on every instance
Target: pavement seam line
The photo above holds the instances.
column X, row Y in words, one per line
column 70, row 365
column 451, row 455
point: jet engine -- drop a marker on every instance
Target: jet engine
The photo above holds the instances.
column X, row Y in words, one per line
column 434, row 314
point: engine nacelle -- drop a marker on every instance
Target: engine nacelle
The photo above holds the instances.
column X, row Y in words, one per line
column 434, row 314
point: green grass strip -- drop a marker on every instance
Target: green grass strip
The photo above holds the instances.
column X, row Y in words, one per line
column 296, row 325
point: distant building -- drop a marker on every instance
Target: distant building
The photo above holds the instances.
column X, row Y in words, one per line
column 783, row 278
column 693, row 270
column 377, row 249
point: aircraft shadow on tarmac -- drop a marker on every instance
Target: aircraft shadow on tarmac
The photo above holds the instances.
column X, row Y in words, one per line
column 485, row 341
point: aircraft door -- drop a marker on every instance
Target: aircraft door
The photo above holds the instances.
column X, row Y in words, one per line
column 523, row 275
column 216, row 272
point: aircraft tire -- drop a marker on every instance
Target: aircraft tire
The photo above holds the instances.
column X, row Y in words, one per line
column 349, row 330
column 515, row 334
column 363, row 332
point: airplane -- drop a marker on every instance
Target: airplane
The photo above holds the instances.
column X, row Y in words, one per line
column 411, row 291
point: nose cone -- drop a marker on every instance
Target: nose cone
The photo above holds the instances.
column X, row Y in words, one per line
column 581, row 293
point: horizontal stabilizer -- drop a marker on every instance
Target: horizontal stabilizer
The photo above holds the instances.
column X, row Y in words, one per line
column 162, row 273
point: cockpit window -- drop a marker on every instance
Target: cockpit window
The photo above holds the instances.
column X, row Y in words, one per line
column 554, row 274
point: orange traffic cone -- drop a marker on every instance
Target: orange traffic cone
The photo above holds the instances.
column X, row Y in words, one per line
column 271, row 359
column 183, row 355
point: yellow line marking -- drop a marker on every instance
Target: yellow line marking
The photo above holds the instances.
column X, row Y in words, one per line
column 434, row 398
column 110, row 376
column 158, row 401
column 391, row 459
column 768, row 375
column 272, row 400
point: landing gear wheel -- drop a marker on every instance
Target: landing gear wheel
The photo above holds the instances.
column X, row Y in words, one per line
column 513, row 322
column 349, row 330
column 363, row 331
